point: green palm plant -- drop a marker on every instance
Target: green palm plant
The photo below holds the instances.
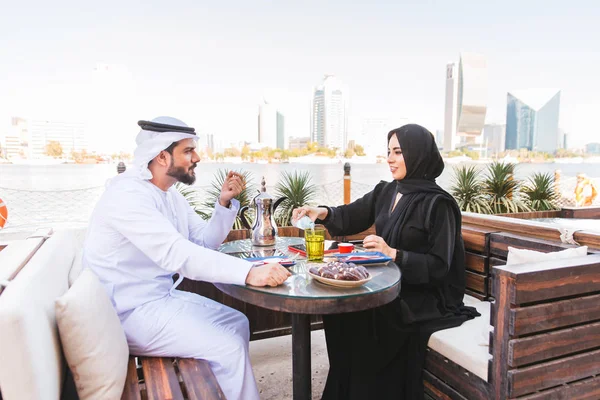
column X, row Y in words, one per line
column 501, row 188
column 212, row 194
column 467, row 190
column 540, row 192
column 193, row 197
column 298, row 190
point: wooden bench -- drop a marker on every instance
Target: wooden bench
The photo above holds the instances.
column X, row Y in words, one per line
column 155, row 378
column 546, row 331
column 148, row 378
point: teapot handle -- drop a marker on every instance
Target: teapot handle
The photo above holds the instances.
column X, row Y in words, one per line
column 243, row 217
column 278, row 202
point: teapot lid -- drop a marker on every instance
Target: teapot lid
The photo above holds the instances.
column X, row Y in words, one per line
column 263, row 191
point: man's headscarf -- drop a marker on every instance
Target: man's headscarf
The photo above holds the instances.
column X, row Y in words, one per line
column 156, row 136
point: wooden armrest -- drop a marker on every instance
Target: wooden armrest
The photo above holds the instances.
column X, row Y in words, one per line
column 552, row 279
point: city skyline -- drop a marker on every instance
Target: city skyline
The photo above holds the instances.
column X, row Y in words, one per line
column 182, row 60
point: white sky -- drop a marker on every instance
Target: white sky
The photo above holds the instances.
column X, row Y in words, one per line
column 210, row 63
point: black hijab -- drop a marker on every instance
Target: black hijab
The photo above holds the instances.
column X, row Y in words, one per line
column 422, row 158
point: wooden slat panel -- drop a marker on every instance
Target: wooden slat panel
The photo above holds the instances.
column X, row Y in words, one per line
column 553, row 279
column 494, row 262
column 499, row 243
column 537, row 348
column 478, row 296
column 161, row 380
column 439, row 390
column 466, row 383
column 506, row 224
column 476, row 282
column 554, row 315
column 237, row 234
column 532, row 379
column 529, row 228
column 588, row 389
column 131, row 391
column 199, row 380
column 580, row 212
column 476, row 262
column 476, row 238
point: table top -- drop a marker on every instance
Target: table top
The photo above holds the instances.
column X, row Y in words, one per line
column 300, row 293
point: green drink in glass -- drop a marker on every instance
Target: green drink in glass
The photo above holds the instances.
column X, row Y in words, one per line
column 315, row 243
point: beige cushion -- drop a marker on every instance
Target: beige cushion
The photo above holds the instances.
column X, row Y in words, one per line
column 467, row 345
column 522, row 256
column 31, row 361
column 93, row 341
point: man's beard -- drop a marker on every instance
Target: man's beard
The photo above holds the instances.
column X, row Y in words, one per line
column 183, row 175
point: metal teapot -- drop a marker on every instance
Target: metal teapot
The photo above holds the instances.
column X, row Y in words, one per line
column 264, row 230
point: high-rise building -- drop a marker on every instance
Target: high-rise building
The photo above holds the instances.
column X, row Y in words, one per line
column 16, row 141
column 298, row 142
column 280, row 131
column 270, row 126
column 592, row 148
column 328, row 119
column 532, row 120
column 70, row 135
column 465, row 106
column 27, row 139
column 493, row 136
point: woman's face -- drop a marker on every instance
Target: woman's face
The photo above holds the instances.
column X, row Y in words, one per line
column 396, row 159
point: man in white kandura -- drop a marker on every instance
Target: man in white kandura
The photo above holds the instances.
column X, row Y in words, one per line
column 143, row 232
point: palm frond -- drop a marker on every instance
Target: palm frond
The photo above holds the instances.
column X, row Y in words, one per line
column 541, row 193
column 193, row 197
column 298, row 190
column 467, row 190
column 502, row 189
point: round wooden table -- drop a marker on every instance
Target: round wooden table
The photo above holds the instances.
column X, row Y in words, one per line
column 301, row 296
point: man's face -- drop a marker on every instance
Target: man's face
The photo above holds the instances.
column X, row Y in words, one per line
column 183, row 162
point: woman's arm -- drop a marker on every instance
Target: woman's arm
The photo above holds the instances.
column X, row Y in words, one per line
column 355, row 217
column 432, row 267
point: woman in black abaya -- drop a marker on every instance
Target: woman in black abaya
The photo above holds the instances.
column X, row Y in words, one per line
column 379, row 353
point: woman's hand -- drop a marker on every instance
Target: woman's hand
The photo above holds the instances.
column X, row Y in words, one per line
column 313, row 213
column 376, row 243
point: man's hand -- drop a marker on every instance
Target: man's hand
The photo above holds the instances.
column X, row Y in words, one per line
column 271, row 274
column 376, row 243
column 312, row 212
column 232, row 186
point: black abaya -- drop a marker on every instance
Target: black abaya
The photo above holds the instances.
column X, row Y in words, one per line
column 379, row 353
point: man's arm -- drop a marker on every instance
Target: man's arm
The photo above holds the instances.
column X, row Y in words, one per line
column 135, row 216
column 213, row 232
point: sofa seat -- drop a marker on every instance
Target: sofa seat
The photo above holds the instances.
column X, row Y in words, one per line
column 467, row 345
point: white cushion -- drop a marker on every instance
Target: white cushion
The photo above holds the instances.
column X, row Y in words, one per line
column 467, row 345
column 522, row 256
column 31, row 361
column 93, row 340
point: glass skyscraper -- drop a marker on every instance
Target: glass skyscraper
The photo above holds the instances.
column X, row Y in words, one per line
column 329, row 120
column 532, row 120
column 466, row 96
